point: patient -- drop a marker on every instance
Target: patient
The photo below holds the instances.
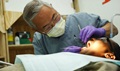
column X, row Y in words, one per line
column 101, row 47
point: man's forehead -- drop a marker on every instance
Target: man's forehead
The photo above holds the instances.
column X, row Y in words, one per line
column 43, row 12
column 40, row 15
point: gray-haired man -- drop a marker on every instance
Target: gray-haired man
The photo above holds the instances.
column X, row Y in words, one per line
column 54, row 33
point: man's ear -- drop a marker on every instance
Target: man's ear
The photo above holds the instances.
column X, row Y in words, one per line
column 109, row 56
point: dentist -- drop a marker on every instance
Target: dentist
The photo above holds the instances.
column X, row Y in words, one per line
column 53, row 33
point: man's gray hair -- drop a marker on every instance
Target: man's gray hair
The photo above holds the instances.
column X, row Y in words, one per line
column 31, row 10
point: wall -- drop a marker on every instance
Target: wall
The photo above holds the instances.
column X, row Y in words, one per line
column 104, row 10
column 15, row 5
column 64, row 7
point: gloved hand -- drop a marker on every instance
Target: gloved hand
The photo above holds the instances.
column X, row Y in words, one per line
column 74, row 49
column 90, row 31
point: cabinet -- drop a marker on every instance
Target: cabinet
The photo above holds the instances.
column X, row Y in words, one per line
column 14, row 19
column 19, row 49
column 20, row 26
column 3, row 35
column 3, row 47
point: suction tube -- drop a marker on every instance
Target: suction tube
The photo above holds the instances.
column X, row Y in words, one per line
column 111, row 29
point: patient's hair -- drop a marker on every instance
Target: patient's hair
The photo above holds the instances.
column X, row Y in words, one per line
column 32, row 9
column 116, row 49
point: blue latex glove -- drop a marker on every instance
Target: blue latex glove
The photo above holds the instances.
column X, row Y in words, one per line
column 74, row 49
column 91, row 31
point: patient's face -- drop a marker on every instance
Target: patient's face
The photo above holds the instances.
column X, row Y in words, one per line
column 96, row 47
column 46, row 19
